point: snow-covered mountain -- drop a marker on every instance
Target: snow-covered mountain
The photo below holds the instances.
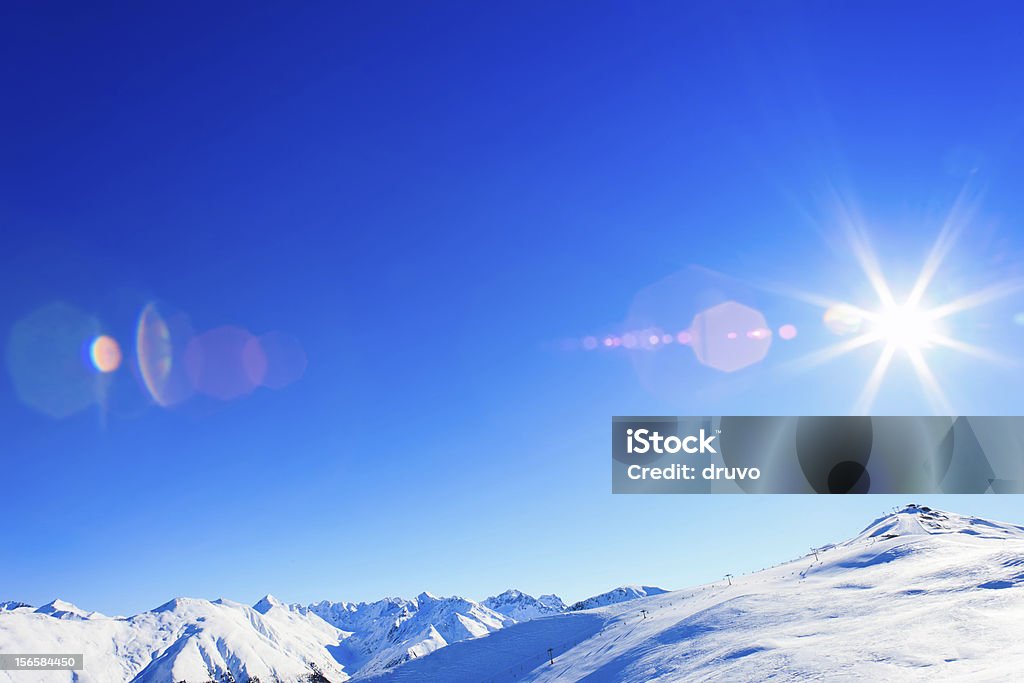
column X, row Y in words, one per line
column 61, row 609
column 11, row 605
column 183, row 640
column 196, row 640
column 522, row 607
column 617, row 595
column 919, row 595
column 388, row 632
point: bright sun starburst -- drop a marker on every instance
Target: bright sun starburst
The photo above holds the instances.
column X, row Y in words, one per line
column 909, row 327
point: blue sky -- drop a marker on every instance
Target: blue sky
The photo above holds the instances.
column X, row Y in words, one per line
column 433, row 200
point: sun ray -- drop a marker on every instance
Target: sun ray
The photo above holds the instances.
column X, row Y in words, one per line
column 831, row 352
column 860, row 244
column 933, row 392
column 973, row 350
column 874, row 383
column 868, row 261
column 959, row 216
column 983, row 296
column 806, row 297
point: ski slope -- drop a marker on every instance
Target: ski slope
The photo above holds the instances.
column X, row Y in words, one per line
column 919, row 595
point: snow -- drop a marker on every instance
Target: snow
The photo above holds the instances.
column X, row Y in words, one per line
column 919, row 595
column 522, row 607
column 195, row 640
column 14, row 605
column 617, row 595
column 61, row 609
column 184, row 639
column 391, row 631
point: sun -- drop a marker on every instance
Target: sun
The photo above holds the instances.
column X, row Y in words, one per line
column 906, row 328
column 910, row 329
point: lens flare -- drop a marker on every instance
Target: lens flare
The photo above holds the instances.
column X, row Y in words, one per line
column 716, row 343
column 47, row 357
column 105, row 354
column 159, row 347
column 787, row 332
column 276, row 359
column 225, row 363
column 843, row 319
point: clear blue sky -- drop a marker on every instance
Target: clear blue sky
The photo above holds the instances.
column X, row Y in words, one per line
column 433, row 198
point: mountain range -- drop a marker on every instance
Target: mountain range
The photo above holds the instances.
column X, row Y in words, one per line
column 195, row 640
column 920, row 594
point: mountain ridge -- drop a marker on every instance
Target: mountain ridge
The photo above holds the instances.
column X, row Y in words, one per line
column 183, row 638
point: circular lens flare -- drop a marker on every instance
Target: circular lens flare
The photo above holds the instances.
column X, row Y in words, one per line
column 716, row 342
column 787, row 332
column 160, row 343
column 105, row 354
column 225, row 362
column 842, row 319
column 49, row 363
column 274, row 360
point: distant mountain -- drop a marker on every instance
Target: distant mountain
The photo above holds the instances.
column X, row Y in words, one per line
column 519, row 606
column 190, row 639
column 391, row 631
column 617, row 595
column 60, row 609
column 11, row 605
column 182, row 640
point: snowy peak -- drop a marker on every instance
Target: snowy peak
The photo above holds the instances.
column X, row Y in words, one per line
column 917, row 520
column 179, row 604
column 267, row 603
column 617, row 595
column 391, row 631
column 522, row 607
column 185, row 639
column 551, row 600
column 61, row 609
column 11, row 605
